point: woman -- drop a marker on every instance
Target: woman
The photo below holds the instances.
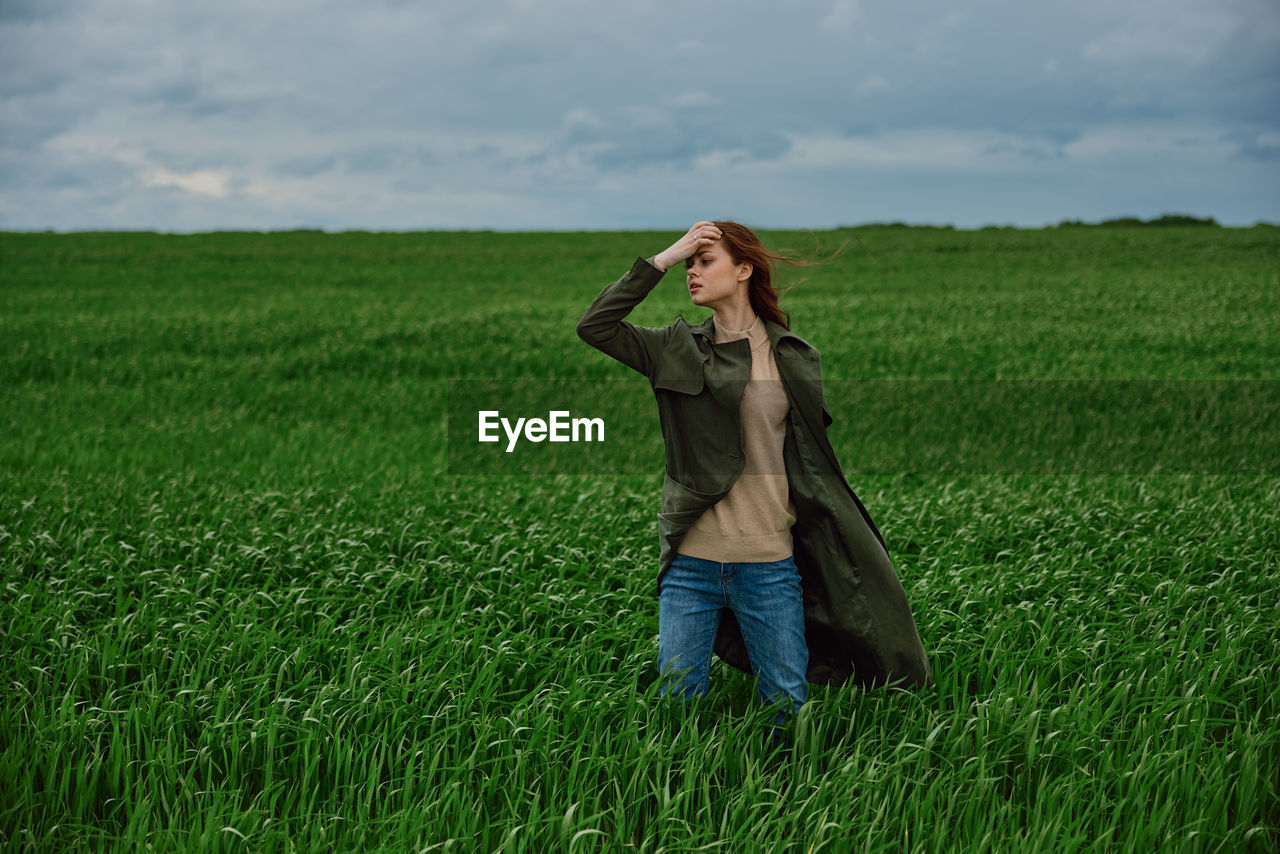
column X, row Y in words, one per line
column 767, row 556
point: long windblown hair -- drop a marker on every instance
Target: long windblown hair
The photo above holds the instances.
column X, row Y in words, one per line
column 744, row 246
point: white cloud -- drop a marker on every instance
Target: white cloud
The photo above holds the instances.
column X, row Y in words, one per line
column 988, row 152
column 1194, row 35
column 842, row 17
column 694, row 98
column 936, row 33
column 928, row 150
column 873, row 84
column 581, row 117
column 1155, row 142
column 202, row 182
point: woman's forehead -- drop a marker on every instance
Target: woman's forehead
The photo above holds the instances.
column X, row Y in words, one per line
column 709, row 253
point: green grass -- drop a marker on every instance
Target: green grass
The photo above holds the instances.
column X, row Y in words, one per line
column 247, row 608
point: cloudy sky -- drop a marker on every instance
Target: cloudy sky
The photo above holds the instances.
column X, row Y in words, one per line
column 182, row 115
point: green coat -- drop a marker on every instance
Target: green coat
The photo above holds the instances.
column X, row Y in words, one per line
column 857, row 621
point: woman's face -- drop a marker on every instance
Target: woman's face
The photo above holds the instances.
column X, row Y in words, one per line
column 712, row 276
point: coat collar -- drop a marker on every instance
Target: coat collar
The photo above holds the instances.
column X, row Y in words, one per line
column 777, row 332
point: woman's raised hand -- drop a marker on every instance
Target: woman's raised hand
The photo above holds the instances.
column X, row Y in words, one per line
column 701, row 235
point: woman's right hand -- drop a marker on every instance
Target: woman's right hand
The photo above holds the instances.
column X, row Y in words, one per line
column 701, row 235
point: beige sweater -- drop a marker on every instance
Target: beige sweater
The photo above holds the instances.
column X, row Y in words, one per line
column 752, row 523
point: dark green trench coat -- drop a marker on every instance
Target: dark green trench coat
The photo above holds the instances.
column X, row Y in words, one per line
column 857, row 621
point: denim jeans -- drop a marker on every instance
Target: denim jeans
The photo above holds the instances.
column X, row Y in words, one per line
column 765, row 599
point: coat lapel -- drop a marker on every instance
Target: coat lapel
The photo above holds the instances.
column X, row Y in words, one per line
column 800, row 368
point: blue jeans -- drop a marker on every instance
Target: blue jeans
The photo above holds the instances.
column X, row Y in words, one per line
column 765, row 599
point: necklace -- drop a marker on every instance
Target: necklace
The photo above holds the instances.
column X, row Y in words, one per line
column 717, row 322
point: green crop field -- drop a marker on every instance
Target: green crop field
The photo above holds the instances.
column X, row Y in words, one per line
column 255, row 599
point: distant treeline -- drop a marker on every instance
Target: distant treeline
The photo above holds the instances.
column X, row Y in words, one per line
column 1118, row 222
column 1131, row 221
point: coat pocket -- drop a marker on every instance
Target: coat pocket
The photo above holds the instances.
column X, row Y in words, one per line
column 681, row 507
column 680, row 365
column 684, row 385
column 679, row 500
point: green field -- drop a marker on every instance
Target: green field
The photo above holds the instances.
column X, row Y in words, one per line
column 248, row 606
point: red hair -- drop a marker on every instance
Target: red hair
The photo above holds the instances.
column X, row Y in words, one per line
column 744, row 246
